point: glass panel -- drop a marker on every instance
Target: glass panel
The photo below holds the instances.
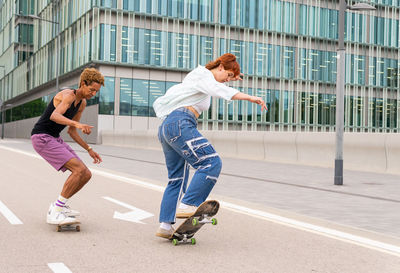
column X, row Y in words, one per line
column 107, row 96
column 125, row 97
column 107, row 42
column 140, row 98
column 157, row 89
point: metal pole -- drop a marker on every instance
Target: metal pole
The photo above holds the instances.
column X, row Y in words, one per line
column 1, row 108
column 2, row 122
column 340, row 83
column 2, row 119
column 58, row 47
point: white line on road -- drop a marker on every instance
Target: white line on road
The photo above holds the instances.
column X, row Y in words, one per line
column 331, row 233
column 128, row 180
column 20, row 151
column 59, row 268
column 11, row 217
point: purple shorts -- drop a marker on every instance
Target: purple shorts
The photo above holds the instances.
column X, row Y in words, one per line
column 53, row 150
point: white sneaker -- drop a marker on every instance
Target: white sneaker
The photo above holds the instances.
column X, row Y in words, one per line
column 70, row 212
column 186, row 212
column 67, row 210
column 58, row 217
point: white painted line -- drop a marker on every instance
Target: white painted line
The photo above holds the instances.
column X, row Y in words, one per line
column 21, row 152
column 331, row 233
column 128, row 180
column 59, row 268
column 99, row 172
column 11, row 217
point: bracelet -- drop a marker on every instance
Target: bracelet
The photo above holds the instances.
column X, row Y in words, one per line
column 88, row 149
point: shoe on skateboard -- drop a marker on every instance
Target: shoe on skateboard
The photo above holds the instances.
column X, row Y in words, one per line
column 192, row 224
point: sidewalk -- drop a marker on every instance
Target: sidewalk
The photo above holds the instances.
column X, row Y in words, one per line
column 369, row 201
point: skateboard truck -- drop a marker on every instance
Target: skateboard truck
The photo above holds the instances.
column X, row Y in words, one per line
column 72, row 227
column 184, row 239
column 204, row 219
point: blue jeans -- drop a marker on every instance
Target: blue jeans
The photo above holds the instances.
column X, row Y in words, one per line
column 183, row 144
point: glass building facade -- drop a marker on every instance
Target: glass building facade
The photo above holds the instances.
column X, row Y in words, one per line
column 286, row 49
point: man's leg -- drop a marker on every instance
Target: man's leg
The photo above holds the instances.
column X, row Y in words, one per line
column 80, row 175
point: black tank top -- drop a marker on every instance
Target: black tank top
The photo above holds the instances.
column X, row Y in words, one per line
column 47, row 126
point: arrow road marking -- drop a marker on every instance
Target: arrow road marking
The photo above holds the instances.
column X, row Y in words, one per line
column 59, row 268
column 9, row 215
column 135, row 215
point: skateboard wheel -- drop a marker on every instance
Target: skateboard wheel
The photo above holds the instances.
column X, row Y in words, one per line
column 195, row 221
column 78, row 228
column 214, row 221
column 174, row 242
column 193, row 241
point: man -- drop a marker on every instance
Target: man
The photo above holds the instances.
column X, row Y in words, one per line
column 65, row 109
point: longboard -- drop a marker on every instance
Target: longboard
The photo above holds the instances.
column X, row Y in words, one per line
column 70, row 226
column 191, row 225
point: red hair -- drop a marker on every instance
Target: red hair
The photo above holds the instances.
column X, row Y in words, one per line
column 228, row 61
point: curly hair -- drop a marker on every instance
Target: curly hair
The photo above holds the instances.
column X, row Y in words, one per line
column 90, row 75
column 228, row 61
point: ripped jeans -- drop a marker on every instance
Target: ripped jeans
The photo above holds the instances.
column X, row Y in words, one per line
column 183, row 145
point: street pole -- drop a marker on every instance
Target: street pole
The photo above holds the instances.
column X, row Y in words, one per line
column 2, row 119
column 340, row 83
column 2, row 122
column 58, row 47
column 1, row 108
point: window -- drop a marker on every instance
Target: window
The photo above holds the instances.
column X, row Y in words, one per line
column 107, row 42
column 107, row 96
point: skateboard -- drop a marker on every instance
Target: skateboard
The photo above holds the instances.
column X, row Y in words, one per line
column 191, row 225
column 70, row 226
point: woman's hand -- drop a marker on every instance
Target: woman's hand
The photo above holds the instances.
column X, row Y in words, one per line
column 259, row 101
column 253, row 99
column 237, row 78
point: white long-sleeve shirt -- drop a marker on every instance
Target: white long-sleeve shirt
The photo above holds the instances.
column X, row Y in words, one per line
column 196, row 87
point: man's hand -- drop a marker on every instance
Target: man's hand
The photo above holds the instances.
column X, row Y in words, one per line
column 86, row 129
column 95, row 156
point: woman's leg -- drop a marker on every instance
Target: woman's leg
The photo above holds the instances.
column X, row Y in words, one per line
column 178, row 172
column 208, row 166
column 200, row 154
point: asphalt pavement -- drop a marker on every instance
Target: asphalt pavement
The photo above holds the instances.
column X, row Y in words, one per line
column 273, row 218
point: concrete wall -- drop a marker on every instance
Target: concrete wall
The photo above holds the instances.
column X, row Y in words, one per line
column 362, row 151
column 23, row 128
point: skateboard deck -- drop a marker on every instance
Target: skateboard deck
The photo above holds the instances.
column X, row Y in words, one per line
column 192, row 224
column 70, row 226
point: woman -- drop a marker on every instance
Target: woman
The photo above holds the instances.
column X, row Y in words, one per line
column 183, row 144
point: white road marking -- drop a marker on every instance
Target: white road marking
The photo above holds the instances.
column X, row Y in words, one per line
column 128, row 180
column 136, row 215
column 331, row 233
column 21, row 152
column 59, row 268
column 11, row 217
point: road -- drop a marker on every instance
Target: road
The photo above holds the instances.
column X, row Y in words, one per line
column 249, row 237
